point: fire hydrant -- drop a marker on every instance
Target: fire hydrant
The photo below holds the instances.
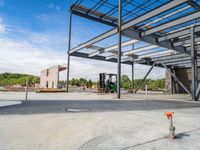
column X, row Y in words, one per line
column 171, row 127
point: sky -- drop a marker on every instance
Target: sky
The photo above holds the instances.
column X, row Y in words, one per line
column 33, row 36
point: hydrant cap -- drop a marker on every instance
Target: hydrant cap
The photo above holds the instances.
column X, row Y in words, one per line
column 169, row 114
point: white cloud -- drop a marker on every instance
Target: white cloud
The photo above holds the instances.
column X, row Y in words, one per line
column 54, row 6
column 2, row 26
column 45, row 40
column 30, row 52
column 25, row 58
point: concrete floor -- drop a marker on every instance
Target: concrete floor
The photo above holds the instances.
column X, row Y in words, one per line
column 9, row 103
column 104, row 123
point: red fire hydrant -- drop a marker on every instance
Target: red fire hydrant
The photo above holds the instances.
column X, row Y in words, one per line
column 171, row 127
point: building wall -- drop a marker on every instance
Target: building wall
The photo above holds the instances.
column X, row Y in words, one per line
column 49, row 77
column 184, row 75
column 168, row 82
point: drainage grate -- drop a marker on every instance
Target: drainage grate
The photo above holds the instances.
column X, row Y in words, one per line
column 75, row 109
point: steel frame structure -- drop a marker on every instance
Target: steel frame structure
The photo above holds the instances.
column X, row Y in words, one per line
column 173, row 26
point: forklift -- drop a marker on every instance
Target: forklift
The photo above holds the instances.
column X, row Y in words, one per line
column 106, row 83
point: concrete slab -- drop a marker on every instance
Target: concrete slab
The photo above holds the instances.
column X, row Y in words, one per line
column 103, row 125
column 90, row 96
column 9, row 103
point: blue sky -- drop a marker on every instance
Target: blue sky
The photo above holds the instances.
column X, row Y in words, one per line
column 33, row 36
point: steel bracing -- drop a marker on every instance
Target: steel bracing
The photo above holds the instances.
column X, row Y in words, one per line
column 167, row 33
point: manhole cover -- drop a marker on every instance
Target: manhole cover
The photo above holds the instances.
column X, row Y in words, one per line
column 75, row 109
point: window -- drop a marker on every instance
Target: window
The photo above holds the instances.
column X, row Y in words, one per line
column 47, row 84
column 47, row 73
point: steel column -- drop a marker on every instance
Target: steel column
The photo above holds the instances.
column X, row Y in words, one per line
column 133, row 70
column 119, row 48
column 132, row 76
column 69, row 47
column 26, row 90
column 193, row 66
column 145, row 77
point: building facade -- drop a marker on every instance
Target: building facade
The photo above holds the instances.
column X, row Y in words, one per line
column 50, row 77
column 184, row 75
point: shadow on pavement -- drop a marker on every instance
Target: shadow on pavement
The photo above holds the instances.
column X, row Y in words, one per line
column 60, row 106
column 178, row 136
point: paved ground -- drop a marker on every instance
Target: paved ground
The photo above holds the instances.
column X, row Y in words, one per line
column 44, row 123
column 9, row 103
column 88, row 96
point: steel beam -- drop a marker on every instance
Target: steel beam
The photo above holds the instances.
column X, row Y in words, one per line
column 166, row 16
column 169, row 57
column 69, row 47
column 100, row 58
column 153, row 13
column 115, row 47
column 119, row 49
column 127, row 59
column 111, row 56
column 180, row 62
column 133, row 22
column 94, row 40
column 165, row 57
column 180, row 29
column 155, row 54
column 175, row 60
column 130, row 58
column 189, row 65
column 141, row 49
column 112, row 48
column 98, row 48
column 95, row 53
column 145, row 77
column 173, row 23
column 152, row 39
column 194, row 4
column 93, row 18
column 186, row 42
column 158, row 53
column 178, row 34
column 90, row 12
column 133, row 52
column 177, row 55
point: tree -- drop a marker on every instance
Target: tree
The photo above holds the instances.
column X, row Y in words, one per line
column 73, row 82
column 82, row 81
column 10, row 79
column 77, row 83
column 89, row 84
column 125, row 82
column 36, row 80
